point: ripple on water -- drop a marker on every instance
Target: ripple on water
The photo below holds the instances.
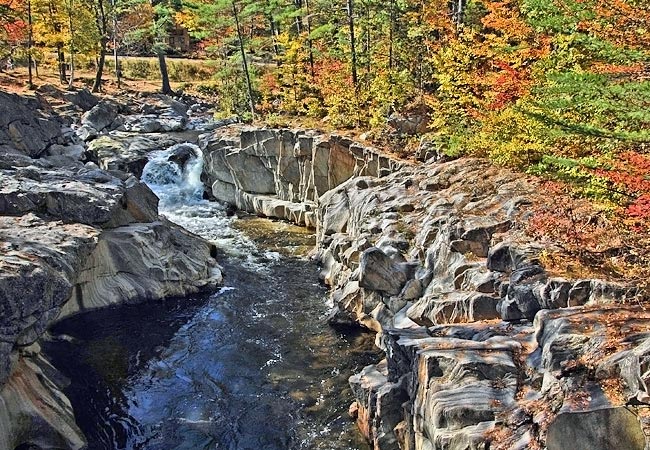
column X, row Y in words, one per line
column 253, row 366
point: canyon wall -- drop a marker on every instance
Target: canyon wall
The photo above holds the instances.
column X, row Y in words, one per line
column 282, row 173
column 484, row 347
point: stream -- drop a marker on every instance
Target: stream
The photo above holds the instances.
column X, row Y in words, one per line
column 252, row 366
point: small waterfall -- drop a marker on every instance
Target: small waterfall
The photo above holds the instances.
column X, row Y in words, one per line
column 174, row 175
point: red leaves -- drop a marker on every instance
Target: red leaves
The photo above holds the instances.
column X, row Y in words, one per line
column 509, row 86
column 630, row 174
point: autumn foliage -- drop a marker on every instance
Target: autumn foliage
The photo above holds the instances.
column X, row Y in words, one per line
column 557, row 88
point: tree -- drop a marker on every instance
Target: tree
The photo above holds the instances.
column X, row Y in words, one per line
column 163, row 20
column 240, row 38
column 101, row 12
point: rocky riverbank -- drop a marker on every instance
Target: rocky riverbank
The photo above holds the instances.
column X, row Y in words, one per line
column 484, row 348
column 74, row 237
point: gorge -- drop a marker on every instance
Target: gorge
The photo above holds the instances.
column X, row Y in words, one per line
column 482, row 347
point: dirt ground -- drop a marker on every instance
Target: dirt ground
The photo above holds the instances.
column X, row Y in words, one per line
column 15, row 81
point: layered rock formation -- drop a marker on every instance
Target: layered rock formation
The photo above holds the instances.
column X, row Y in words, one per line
column 282, row 173
column 484, row 347
column 73, row 238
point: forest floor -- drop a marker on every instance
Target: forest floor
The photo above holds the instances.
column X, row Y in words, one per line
column 15, row 81
column 588, row 240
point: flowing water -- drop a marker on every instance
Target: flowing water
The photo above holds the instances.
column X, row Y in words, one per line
column 253, row 366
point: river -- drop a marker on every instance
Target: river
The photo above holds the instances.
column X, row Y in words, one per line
column 252, row 366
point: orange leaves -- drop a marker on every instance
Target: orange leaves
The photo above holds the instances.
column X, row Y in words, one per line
column 13, row 28
column 503, row 17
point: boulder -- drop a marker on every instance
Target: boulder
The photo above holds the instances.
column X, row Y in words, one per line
column 24, row 126
column 100, row 116
column 143, row 261
column 82, row 98
column 380, row 272
column 182, row 154
column 40, row 262
column 33, row 409
column 82, row 195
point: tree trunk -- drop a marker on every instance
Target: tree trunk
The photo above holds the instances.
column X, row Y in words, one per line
column 310, row 44
column 249, row 85
column 298, row 19
column 101, row 21
column 97, row 86
column 355, row 78
column 63, row 78
column 391, row 34
column 368, row 48
column 166, row 87
column 458, row 11
column 30, row 79
column 72, row 50
column 118, row 71
column 274, row 35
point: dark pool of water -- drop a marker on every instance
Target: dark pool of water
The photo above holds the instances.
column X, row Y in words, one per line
column 252, row 367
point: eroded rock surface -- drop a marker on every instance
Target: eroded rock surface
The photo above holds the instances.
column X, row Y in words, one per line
column 484, row 348
column 73, row 237
column 282, row 173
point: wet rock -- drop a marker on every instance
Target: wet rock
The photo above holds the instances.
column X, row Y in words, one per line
column 128, row 152
column 32, row 409
column 182, row 154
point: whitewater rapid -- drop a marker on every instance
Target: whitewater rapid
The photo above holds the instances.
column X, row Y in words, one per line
column 181, row 190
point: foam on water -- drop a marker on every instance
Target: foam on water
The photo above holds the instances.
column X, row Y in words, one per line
column 180, row 191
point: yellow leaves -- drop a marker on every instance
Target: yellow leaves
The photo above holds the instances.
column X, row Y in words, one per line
column 187, row 20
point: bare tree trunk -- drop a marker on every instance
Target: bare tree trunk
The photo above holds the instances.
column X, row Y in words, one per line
column 274, row 35
column 368, row 48
column 249, row 85
column 72, row 50
column 97, row 85
column 391, row 34
column 458, row 11
column 166, row 87
column 298, row 20
column 102, row 27
column 310, row 44
column 355, row 77
column 118, row 71
column 30, row 80
column 63, row 78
